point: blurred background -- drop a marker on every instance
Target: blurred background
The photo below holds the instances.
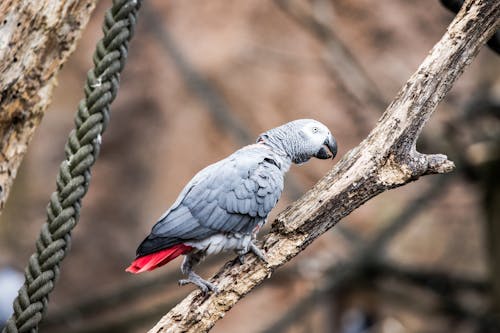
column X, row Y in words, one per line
column 206, row 77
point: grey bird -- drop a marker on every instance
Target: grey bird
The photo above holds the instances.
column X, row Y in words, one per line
column 223, row 207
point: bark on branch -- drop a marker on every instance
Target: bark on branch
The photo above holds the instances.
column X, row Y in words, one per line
column 386, row 159
column 36, row 38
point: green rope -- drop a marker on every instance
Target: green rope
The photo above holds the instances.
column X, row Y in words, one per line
column 73, row 179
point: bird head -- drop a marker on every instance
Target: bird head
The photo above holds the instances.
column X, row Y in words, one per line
column 301, row 139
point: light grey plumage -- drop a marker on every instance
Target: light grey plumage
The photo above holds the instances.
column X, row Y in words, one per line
column 232, row 195
column 224, row 205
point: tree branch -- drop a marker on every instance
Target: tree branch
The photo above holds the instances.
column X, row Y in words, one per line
column 36, row 39
column 341, row 276
column 387, row 158
column 82, row 314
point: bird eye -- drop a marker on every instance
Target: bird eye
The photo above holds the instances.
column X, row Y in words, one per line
column 315, row 130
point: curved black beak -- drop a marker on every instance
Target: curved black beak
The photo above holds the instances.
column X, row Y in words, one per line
column 330, row 144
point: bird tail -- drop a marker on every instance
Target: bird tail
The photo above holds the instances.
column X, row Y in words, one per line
column 154, row 260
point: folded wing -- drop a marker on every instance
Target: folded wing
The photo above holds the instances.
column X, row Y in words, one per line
column 230, row 196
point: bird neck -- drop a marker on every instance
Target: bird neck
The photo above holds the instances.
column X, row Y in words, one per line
column 285, row 161
column 279, row 155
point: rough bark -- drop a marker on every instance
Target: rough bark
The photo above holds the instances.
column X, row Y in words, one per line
column 36, row 38
column 386, row 159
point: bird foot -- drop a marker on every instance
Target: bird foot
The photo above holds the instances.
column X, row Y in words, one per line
column 255, row 250
column 258, row 252
column 203, row 284
column 241, row 258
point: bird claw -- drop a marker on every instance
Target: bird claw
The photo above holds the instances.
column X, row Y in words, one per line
column 255, row 250
column 204, row 285
column 258, row 253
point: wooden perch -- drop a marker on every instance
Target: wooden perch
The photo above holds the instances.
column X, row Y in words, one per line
column 36, row 38
column 386, row 159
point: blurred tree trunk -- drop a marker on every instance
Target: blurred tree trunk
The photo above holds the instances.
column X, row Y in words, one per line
column 36, row 38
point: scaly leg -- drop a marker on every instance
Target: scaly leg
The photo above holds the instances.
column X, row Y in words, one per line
column 255, row 250
column 187, row 268
column 258, row 252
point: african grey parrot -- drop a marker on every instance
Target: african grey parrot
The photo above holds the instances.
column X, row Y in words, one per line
column 224, row 206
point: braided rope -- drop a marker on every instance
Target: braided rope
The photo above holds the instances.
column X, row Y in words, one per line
column 82, row 149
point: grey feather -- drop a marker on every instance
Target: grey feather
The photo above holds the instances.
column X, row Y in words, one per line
column 262, row 192
column 233, row 195
column 237, row 193
column 241, row 192
column 250, row 185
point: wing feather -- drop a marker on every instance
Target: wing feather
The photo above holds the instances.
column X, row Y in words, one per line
column 232, row 195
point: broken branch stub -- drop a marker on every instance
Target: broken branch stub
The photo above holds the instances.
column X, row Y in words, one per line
column 386, row 159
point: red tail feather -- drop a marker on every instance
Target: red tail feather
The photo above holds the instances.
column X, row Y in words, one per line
column 157, row 259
